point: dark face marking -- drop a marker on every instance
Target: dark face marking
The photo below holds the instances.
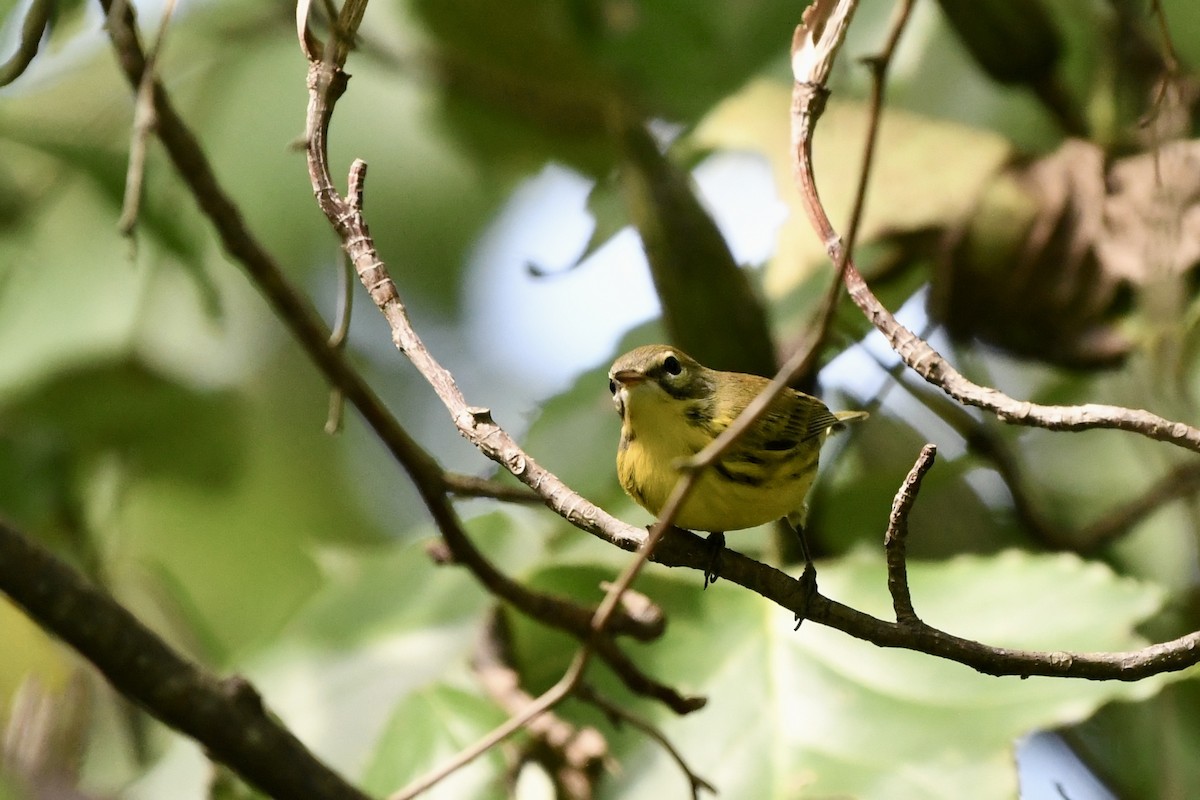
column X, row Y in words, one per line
column 684, row 385
column 780, row 444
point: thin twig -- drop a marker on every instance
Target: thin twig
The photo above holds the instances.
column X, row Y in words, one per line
column 144, row 121
column 1171, row 67
column 552, row 697
column 985, row 442
column 982, row 441
column 37, row 16
column 618, row 715
column 471, row 486
column 337, row 340
column 895, row 538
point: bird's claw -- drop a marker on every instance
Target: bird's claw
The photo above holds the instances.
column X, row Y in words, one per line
column 716, row 544
column 808, row 584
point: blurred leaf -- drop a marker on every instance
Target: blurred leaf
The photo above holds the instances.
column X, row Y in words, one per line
column 610, row 213
column 1016, row 42
column 1145, row 749
column 386, row 626
column 709, row 307
column 106, row 167
column 71, row 253
column 427, row 729
column 66, row 20
column 926, row 170
column 559, row 65
column 28, row 651
column 155, row 425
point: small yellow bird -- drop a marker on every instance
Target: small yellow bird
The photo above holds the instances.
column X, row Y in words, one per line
column 671, row 407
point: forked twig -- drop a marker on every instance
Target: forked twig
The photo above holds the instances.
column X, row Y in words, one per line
column 896, row 536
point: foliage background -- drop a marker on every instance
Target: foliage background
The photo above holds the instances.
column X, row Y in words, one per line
column 159, row 428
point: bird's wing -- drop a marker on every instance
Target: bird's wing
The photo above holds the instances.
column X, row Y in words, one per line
column 793, row 418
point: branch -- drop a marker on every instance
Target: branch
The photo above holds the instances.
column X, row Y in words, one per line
column 983, row 441
column 225, row 715
column 326, row 83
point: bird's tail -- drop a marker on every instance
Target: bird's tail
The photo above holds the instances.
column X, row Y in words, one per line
column 847, row 416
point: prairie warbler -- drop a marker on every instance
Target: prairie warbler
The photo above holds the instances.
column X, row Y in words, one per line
column 671, row 406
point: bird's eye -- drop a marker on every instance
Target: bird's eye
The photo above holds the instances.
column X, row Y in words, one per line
column 672, row 366
column 612, row 386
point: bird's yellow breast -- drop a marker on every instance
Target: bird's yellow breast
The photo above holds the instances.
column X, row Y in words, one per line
column 742, row 491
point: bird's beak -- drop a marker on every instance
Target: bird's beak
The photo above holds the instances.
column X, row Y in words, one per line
column 629, row 377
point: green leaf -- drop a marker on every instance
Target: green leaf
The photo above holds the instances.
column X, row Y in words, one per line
column 366, row 655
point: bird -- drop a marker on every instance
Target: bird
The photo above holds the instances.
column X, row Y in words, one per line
column 671, row 407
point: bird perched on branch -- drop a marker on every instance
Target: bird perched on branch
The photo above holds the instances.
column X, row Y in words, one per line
column 672, row 406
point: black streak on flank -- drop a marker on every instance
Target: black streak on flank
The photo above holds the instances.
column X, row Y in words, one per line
column 737, row 477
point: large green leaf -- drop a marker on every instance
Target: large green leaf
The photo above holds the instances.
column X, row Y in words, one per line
column 820, row 712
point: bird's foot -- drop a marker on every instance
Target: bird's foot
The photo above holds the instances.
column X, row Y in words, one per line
column 715, row 543
column 808, row 585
